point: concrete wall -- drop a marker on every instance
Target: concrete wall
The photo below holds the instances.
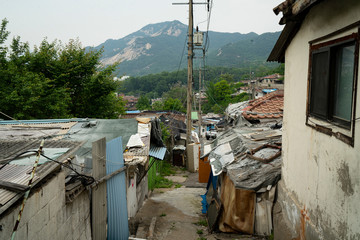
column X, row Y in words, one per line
column 132, row 203
column 320, row 188
column 46, row 216
column 192, row 163
column 135, row 194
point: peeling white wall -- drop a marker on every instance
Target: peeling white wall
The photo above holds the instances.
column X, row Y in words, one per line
column 132, row 202
column 318, row 170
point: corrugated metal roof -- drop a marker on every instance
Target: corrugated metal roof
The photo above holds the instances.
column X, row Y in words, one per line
column 21, row 174
column 9, row 149
column 157, row 152
column 52, row 153
column 15, row 174
column 41, row 121
column 34, row 130
column 194, row 116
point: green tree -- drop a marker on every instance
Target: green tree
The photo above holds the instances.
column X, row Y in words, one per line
column 143, row 103
column 158, row 106
column 219, row 96
column 227, row 77
column 172, row 104
column 55, row 81
column 177, row 92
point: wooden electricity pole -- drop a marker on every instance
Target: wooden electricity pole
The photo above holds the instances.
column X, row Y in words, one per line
column 199, row 113
column 190, row 70
column 190, row 75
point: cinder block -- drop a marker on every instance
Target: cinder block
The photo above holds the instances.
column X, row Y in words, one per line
column 75, row 220
column 76, row 233
column 48, row 231
column 32, row 207
column 52, row 225
column 85, row 209
column 32, row 235
column 63, row 230
column 55, row 206
column 7, row 222
column 88, row 229
column 37, row 222
column 68, row 210
column 22, row 233
column 60, row 216
column 53, row 187
column 83, row 236
column 60, row 234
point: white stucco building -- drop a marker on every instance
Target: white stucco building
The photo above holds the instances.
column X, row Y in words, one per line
column 319, row 194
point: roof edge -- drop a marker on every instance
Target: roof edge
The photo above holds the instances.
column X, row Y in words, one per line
column 294, row 12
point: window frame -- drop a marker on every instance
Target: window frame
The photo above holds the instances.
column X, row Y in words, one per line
column 329, row 123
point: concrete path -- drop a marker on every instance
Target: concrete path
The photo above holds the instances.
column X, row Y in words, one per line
column 172, row 214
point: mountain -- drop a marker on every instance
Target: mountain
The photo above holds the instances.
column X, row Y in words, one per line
column 160, row 47
column 244, row 53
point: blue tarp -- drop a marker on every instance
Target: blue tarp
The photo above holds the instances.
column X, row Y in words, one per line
column 269, row 90
column 136, row 111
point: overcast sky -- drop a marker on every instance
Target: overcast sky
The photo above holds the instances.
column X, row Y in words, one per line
column 94, row 21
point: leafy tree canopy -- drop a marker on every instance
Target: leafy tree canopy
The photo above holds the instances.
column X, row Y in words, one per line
column 55, row 81
column 157, row 106
column 172, row 104
column 143, row 103
column 157, row 85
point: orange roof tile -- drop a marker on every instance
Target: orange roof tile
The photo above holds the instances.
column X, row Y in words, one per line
column 269, row 106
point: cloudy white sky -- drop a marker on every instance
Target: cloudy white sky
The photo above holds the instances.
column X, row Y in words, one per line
column 94, row 21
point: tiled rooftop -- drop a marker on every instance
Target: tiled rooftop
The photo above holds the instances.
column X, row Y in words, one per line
column 272, row 76
column 268, row 106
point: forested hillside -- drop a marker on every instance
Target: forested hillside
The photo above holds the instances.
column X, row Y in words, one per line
column 155, row 85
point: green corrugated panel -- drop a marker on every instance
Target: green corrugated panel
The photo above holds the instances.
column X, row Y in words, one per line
column 194, row 116
column 152, row 174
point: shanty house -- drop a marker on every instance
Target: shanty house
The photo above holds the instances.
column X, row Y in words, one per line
column 52, row 209
column 67, row 203
column 245, row 162
column 318, row 196
column 273, row 80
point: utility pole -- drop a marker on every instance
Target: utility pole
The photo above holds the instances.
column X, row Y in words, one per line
column 190, row 75
column 199, row 113
column 190, row 70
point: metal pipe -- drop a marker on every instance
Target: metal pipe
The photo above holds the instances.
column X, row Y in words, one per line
column 27, row 193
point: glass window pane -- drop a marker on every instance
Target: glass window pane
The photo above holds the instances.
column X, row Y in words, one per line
column 319, row 84
column 344, row 82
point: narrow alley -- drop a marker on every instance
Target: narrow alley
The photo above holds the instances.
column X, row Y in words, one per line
column 176, row 213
